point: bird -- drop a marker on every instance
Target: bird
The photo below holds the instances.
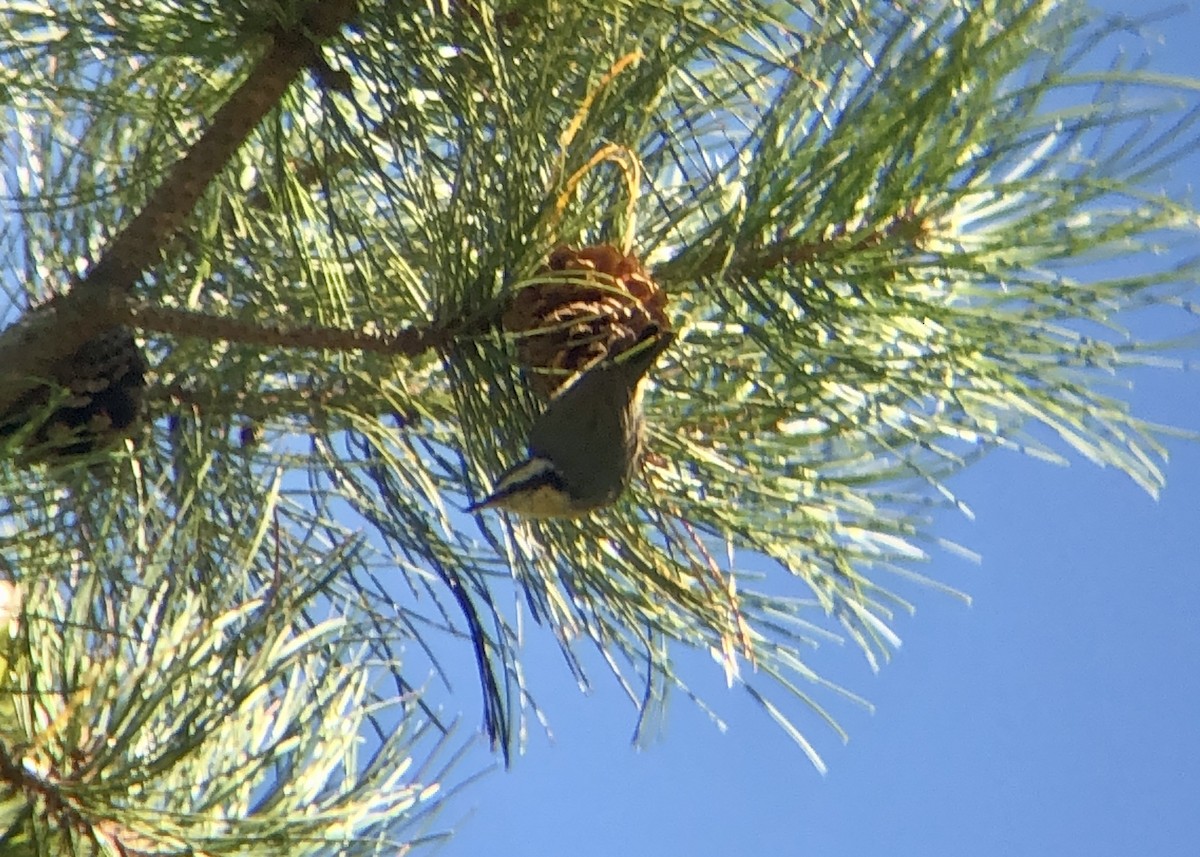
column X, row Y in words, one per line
column 584, row 447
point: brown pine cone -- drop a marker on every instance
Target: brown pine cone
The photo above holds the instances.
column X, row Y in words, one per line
column 104, row 380
column 600, row 306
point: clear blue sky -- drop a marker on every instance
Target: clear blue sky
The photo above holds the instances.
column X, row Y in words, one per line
column 1058, row 715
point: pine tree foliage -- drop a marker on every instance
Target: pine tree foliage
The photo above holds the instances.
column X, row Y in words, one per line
column 882, row 229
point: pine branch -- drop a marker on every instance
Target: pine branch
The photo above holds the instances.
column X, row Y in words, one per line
column 29, row 353
column 868, row 222
column 403, row 343
column 139, row 245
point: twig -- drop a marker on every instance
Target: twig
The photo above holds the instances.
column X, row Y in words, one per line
column 185, row 323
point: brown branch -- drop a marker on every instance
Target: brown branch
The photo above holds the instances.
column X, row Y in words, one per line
column 753, row 262
column 139, row 245
column 185, row 323
column 31, row 349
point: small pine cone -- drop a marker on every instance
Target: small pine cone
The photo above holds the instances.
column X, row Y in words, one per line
column 105, row 381
column 604, row 302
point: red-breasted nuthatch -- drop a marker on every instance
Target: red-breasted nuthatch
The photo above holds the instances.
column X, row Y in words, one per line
column 584, row 448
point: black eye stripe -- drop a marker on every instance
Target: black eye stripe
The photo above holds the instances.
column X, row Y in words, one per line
column 547, row 478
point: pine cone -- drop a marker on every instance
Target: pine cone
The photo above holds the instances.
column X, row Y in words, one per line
column 600, row 307
column 105, row 381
